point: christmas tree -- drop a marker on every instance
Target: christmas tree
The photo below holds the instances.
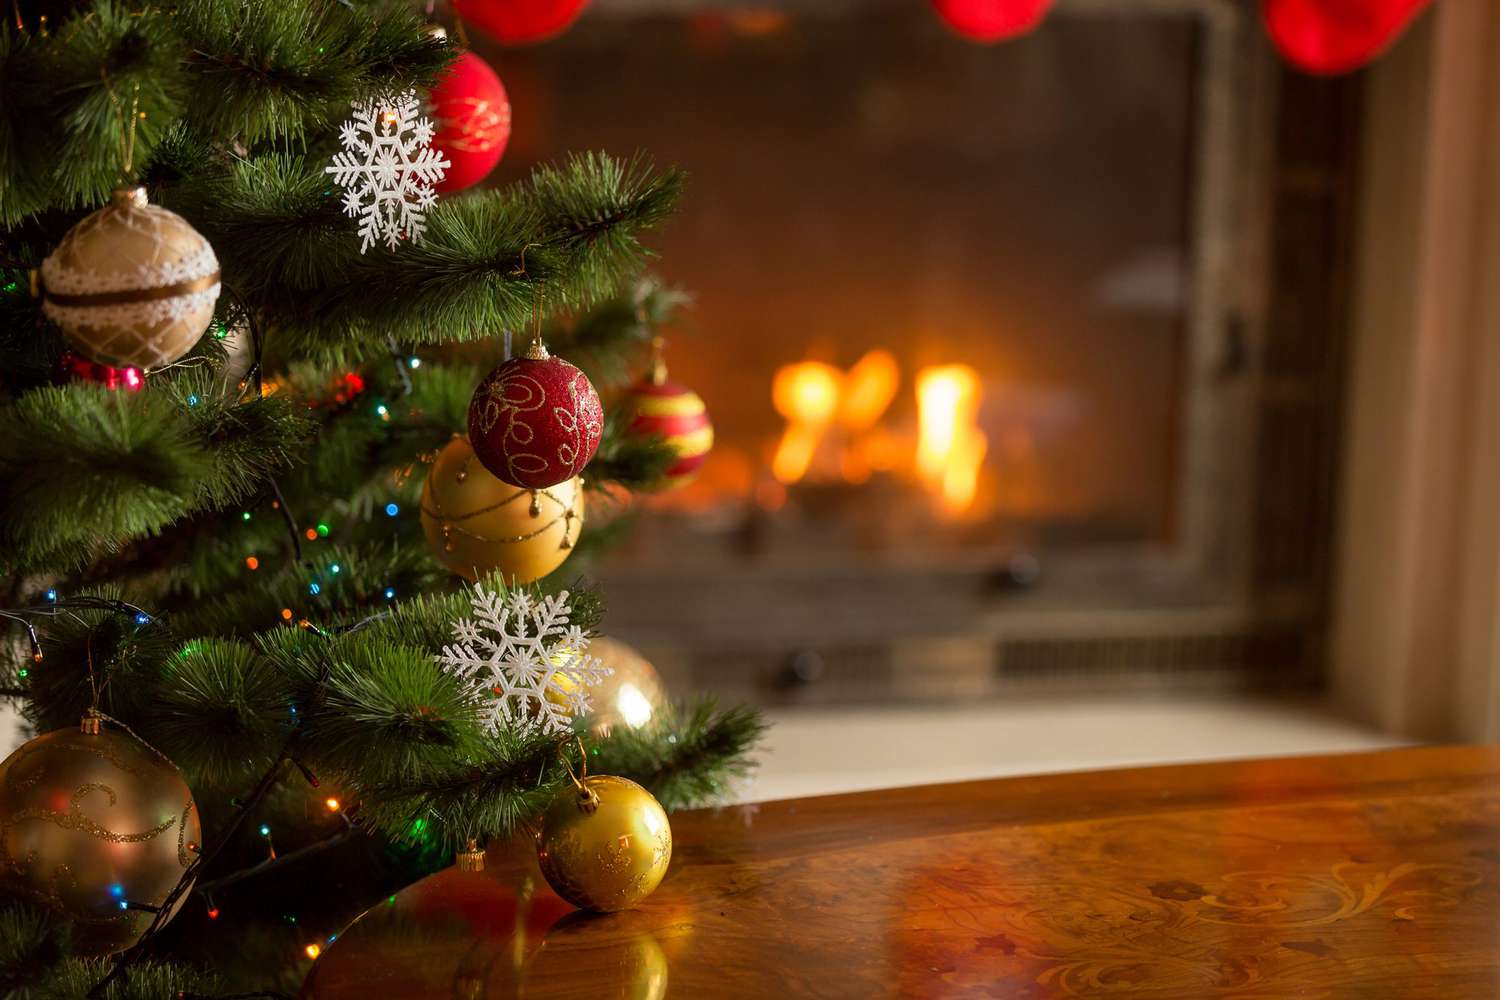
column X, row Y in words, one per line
column 215, row 550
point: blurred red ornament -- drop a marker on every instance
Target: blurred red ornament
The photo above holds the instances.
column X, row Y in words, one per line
column 76, row 366
column 677, row 413
column 520, row 22
column 1336, row 36
column 535, row 421
column 473, row 116
column 991, row 20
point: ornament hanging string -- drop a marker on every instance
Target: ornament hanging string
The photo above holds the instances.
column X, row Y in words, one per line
column 127, row 128
column 588, row 799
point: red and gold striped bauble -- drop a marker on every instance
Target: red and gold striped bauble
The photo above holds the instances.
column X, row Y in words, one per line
column 677, row 413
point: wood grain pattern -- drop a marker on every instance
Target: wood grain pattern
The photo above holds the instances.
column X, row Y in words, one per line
column 1363, row 876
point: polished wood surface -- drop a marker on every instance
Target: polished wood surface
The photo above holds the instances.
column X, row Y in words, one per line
column 1362, row 876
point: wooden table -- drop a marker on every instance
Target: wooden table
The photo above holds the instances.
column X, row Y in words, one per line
column 1362, row 876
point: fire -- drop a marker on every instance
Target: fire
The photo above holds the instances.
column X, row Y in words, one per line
column 817, row 398
column 950, row 445
column 869, row 389
column 807, row 395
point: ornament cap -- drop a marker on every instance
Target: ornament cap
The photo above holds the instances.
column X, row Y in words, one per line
column 90, row 724
column 132, row 196
column 471, row 858
column 658, row 360
column 537, row 351
column 436, row 31
column 588, row 799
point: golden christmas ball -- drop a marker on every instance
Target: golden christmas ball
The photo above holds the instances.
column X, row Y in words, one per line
column 132, row 284
column 605, row 844
column 630, row 696
column 477, row 523
column 91, row 822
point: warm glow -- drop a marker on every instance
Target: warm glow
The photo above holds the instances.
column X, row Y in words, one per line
column 313, row 950
column 634, row 707
column 950, row 447
column 807, row 395
column 869, row 389
column 332, row 804
column 794, row 453
column 806, row 392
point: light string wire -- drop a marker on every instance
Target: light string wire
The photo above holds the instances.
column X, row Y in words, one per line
column 263, row 787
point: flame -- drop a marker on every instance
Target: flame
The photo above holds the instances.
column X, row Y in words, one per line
column 807, row 395
column 950, row 447
column 869, row 389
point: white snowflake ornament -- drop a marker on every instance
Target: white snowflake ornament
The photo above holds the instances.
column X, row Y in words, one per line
column 524, row 660
column 388, row 169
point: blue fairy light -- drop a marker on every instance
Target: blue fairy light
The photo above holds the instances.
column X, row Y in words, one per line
column 314, row 589
column 391, row 510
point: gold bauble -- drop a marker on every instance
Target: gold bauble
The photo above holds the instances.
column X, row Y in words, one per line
column 630, row 696
column 477, row 523
column 605, row 845
column 92, row 820
column 132, row 284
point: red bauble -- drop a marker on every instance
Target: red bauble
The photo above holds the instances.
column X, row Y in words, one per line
column 991, row 20
column 1336, row 36
column 677, row 413
column 535, row 421
column 520, row 22
column 75, row 366
column 473, row 116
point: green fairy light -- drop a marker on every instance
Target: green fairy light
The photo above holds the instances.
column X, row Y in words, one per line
column 245, row 516
column 322, row 531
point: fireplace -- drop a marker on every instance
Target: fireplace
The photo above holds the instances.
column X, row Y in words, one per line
column 1024, row 360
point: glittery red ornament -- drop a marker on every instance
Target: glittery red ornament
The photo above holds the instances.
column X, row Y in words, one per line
column 520, row 22
column 1336, row 36
column 473, row 116
column 535, row 421
column 991, row 20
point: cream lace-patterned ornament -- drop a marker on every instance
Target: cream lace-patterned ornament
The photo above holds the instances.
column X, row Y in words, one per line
column 132, row 284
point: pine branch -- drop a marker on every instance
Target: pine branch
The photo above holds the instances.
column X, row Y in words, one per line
column 687, row 755
column 89, row 470
column 487, row 261
column 147, row 981
column 67, row 96
column 285, row 70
